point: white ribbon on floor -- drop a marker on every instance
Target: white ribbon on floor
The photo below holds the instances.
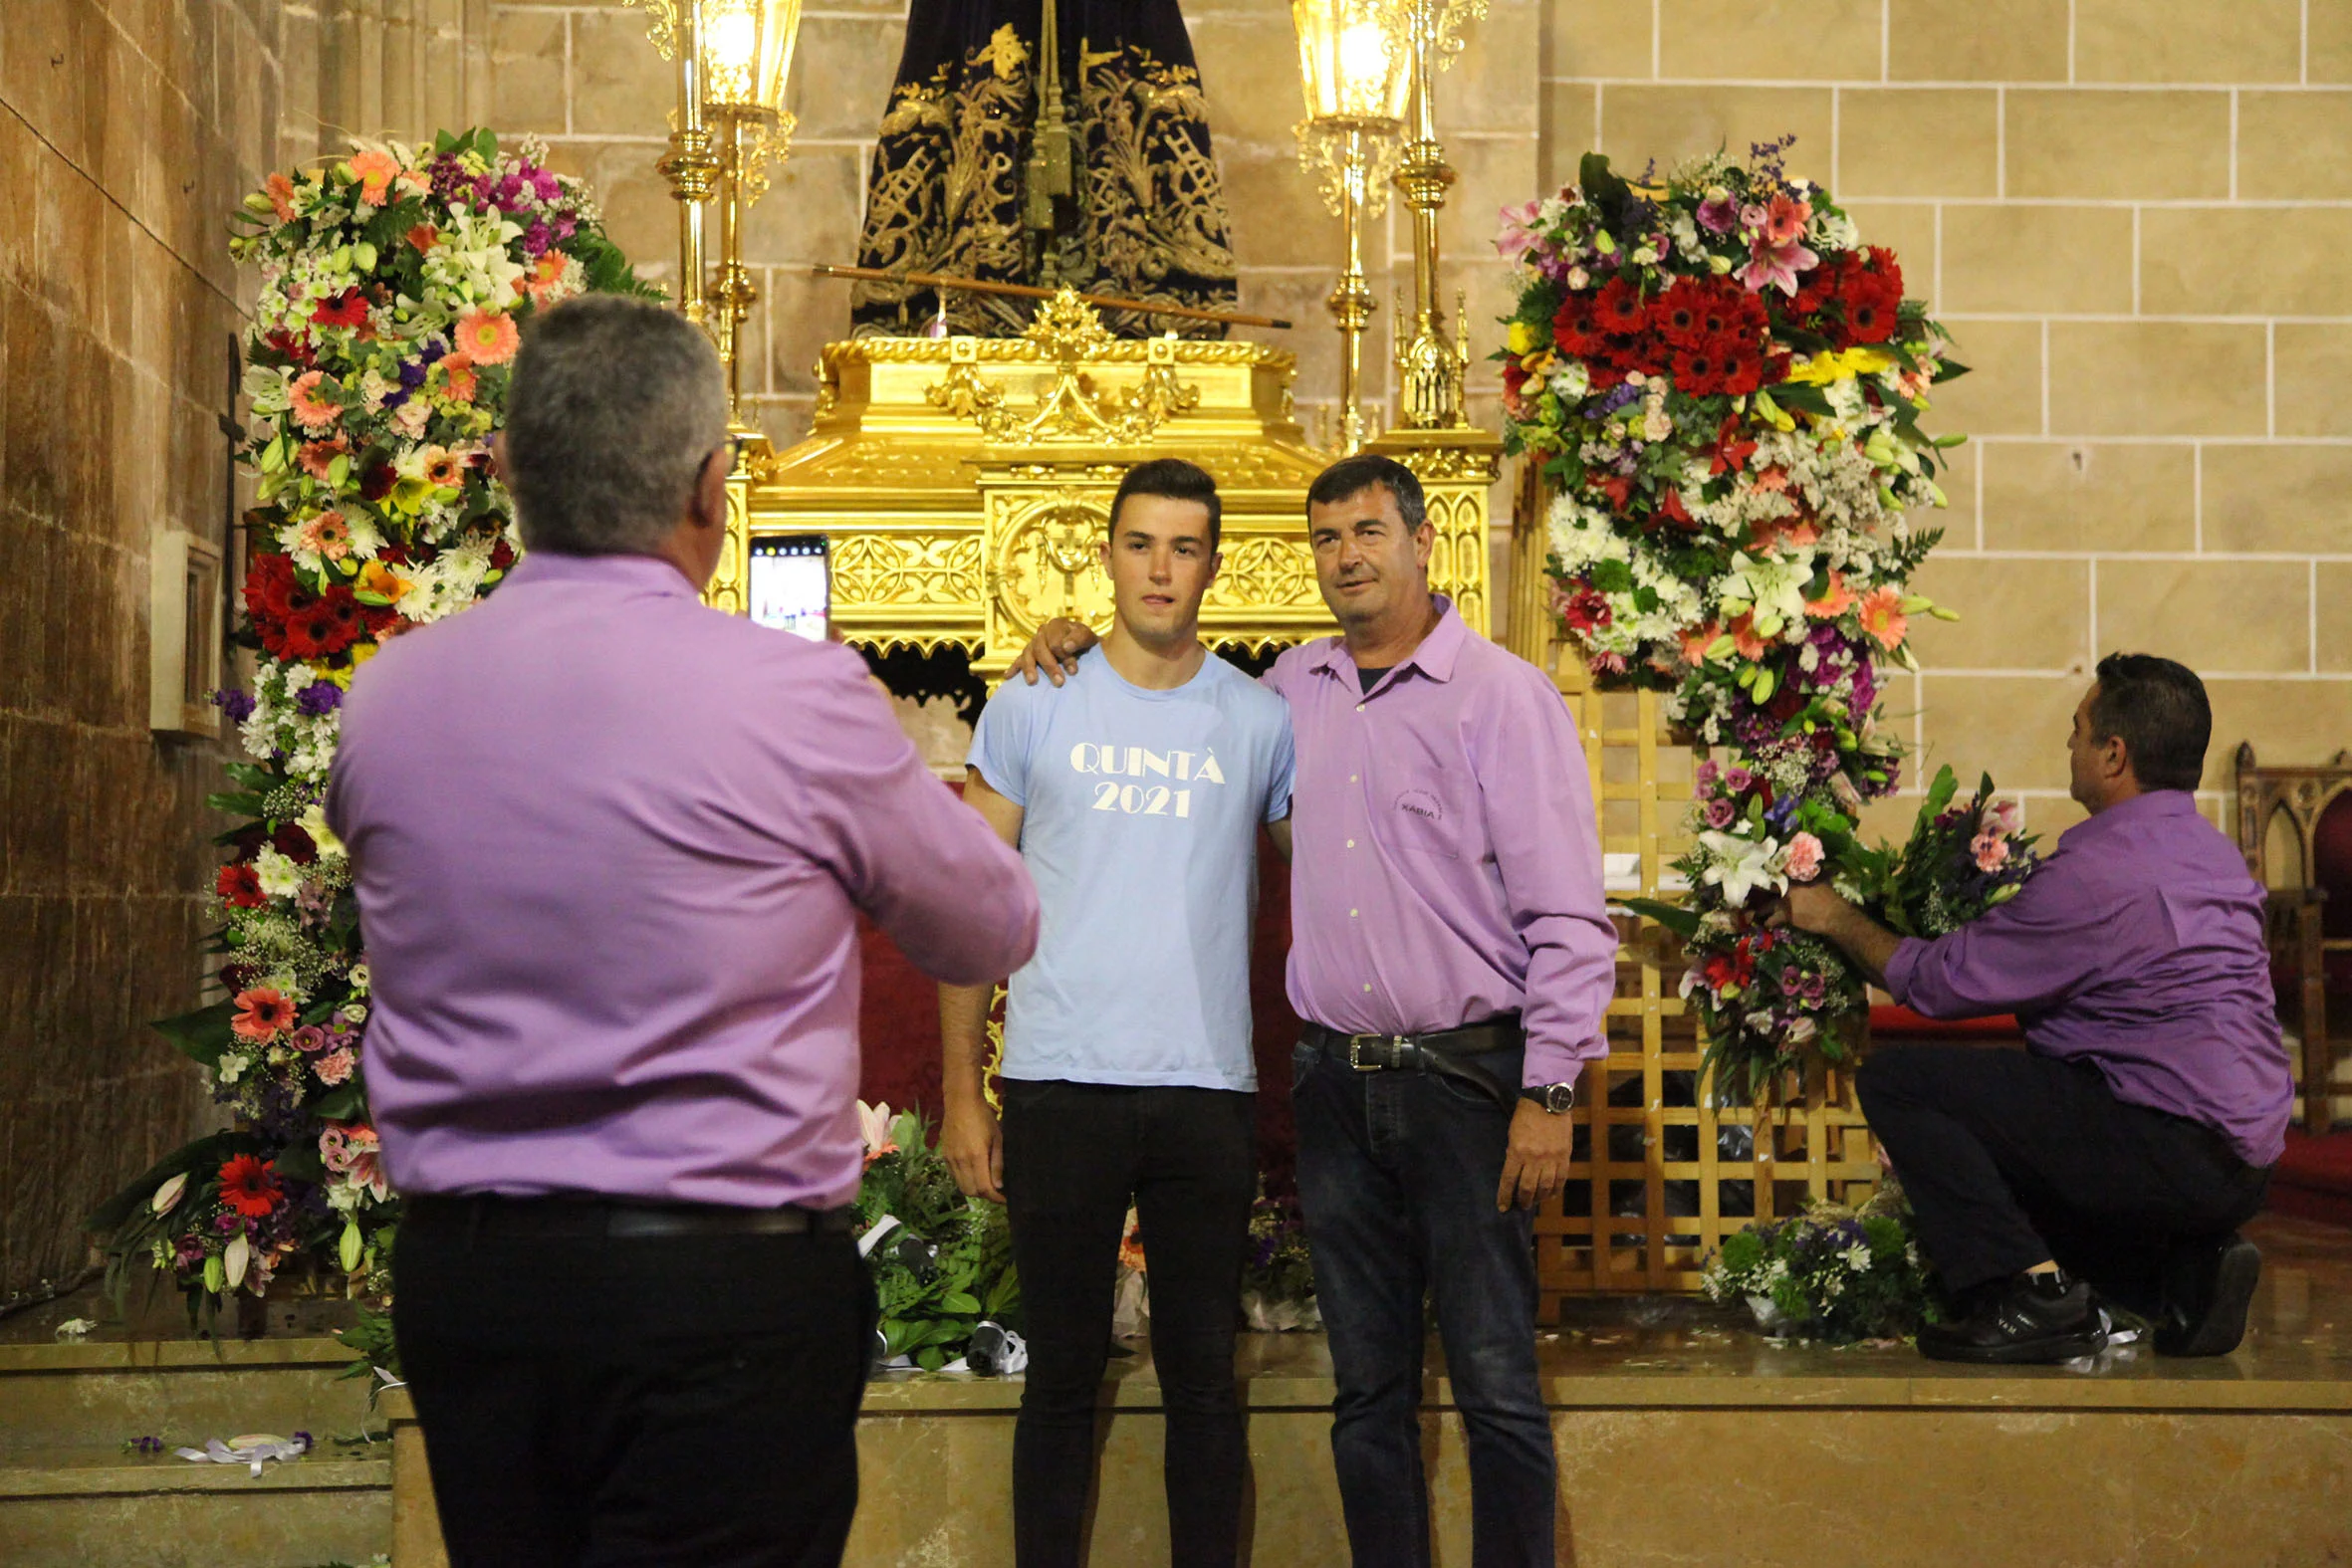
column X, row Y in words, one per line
column 251, row 1450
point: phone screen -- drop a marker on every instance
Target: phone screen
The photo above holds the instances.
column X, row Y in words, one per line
column 791, row 583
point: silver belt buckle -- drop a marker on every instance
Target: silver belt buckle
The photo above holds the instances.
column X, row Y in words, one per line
column 1355, row 1050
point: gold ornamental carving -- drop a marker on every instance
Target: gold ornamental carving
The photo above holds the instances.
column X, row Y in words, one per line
column 965, row 482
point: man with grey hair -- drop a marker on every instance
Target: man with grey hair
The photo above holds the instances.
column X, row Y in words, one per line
column 609, row 848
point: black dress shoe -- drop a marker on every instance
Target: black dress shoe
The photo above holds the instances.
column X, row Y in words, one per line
column 2034, row 1318
column 2206, row 1285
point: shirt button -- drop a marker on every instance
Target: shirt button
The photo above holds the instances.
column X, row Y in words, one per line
column 1352, row 778
column 1351, row 843
column 1359, row 708
column 1368, row 984
column 1351, row 914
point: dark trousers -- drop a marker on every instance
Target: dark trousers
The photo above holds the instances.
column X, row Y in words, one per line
column 592, row 1402
column 2010, row 1158
column 1397, row 1173
column 1074, row 1156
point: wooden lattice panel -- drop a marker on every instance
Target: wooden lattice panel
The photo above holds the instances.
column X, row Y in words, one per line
column 1660, row 1175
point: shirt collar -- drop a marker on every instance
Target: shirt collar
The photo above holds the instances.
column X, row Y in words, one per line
column 2151, row 807
column 643, row 573
column 1434, row 657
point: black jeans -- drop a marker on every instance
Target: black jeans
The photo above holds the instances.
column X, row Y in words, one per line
column 1397, row 1173
column 1074, row 1155
column 2009, row 1158
column 591, row 1402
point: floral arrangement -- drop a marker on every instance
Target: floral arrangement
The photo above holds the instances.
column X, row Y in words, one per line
column 1278, row 1275
column 942, row 1263
column 1961, row 862
column 1723, row 386
column 394, row 286
column 1830, row 1272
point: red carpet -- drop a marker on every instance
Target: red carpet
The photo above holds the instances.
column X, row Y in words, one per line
column 2314, row 1178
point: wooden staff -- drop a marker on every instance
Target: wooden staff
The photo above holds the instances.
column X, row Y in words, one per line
column 1023, row 291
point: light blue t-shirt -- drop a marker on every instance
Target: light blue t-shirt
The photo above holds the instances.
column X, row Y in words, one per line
column 1140, row 812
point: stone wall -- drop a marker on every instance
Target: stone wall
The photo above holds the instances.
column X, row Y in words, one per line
column 2135, row 214
column 129, row 129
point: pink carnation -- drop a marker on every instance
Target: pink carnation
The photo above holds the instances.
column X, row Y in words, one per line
column 1804, row 857
column 336, row 1065
column 1990, row 850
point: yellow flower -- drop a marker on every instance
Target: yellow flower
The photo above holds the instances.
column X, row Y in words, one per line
column 1522, row 337
column 1824, row 368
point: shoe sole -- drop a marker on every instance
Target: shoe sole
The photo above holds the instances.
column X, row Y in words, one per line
column 2032, row 1352
column 2222, row 1327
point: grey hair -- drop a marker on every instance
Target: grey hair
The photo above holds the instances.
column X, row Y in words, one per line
column 615, row 404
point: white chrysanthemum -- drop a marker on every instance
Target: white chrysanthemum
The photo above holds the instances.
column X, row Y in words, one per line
column 279, row 876
column 1857, row 1257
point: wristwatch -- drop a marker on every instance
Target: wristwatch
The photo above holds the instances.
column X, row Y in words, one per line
column 1555, row 1098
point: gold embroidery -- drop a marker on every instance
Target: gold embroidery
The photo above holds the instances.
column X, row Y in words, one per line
column 944, row 195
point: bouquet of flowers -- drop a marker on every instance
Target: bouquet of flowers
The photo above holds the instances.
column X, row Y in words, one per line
column 393, row 288
column 1723, row 386
column 1961, row 860
column 1830, row 1272
column 1277, row 1276
column 942, row 1263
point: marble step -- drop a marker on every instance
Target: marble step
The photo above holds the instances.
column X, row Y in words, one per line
column 99, row 1507
column 100, row 1395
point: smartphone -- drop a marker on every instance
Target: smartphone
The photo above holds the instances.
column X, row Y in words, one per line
column 791, row 583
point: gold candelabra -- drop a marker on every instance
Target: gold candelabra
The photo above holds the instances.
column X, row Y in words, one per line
column 1353, row 71
column 1429, row 369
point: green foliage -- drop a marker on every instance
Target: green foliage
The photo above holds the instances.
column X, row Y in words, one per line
column 959, row 1269
column 1833, row 1273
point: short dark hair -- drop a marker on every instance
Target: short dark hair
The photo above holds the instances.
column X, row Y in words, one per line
column 2158, row 709
column 1352, row 476
column 1175, row 480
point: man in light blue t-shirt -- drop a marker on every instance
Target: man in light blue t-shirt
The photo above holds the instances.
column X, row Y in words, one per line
column 1135, row 794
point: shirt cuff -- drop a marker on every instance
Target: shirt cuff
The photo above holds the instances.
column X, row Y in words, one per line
column 1550, row 1062
column 1900, row 967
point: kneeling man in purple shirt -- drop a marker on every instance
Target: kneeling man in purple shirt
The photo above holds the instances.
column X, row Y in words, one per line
column 2123, row 1147
column 611, row 850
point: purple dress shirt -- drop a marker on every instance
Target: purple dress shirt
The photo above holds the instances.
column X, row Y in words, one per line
column 610, row 845
column 2137, row 947
column 1446, row 861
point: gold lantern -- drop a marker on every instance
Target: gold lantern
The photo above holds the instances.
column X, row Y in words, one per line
column 734, row 60
column 1354, row 67
column 747, row 50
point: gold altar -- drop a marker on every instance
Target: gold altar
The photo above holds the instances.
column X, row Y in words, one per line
column 963, row 484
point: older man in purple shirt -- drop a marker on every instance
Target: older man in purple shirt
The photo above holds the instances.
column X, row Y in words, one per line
column 1453, row 959
column 610, row 847
column 2125, row 1145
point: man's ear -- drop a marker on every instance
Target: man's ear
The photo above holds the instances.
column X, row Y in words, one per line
column 1425, row 542
column 710, row 490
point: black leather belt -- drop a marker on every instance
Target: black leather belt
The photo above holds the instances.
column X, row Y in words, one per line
column 621, row 1218
column 1436, row 1052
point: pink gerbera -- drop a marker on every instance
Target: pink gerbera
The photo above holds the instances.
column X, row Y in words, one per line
column 314, row 409
column 263, row 1013
column 488, row 337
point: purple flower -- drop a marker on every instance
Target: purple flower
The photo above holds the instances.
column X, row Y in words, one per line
column 547, row 185
column 1618, row 396
column 1738, row 780
column 236, row 706
column 536, row 238
column 319, row 699
column 412, row 373
column 1718, row 813
column 1720, row 216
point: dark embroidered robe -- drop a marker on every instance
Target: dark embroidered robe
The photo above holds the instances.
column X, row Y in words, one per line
column 946, row 190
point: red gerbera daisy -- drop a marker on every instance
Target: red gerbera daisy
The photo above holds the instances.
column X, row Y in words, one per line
column 1578, row 326
column 1699, row 372
column 239, row 886
column 347, row 309
column 1622, row 313
column 249, row 1185
column 1675, row 313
